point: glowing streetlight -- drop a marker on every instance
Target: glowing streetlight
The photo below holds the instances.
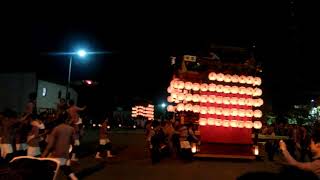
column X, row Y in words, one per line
column 82, row 53
column 163, row 105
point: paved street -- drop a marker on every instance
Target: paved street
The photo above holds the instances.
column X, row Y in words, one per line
column 132, row 163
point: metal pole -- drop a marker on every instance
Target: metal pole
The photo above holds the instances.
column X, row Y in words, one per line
column 69, row 78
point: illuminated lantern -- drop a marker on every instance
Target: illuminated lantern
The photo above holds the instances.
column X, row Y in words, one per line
column 257, row 124
column 227, row 78
column 241, row 101
column 196, row 108
column 249, row 113
column 226, row 123
column 248, row 124
column 212, row 87
column 170, row 89
column 240, row 124
column 220, row 77
column 212, row 76
column 242, row 90
column 218, row 122
column 234, row 112
column 211, row 110
column 234, row 90
column 176, row 101
column 188, row 85
column 218, row 99
column 180, row 107
column 173, row 82
column 204, row 98
column 257, row 92
column 203, row 110
column 174, row 95
column 180, row 84
column 257, row 113
column 235, row 79
column 170, row 108
column 202, row 121
column 196, row 86
column 188, row 97
column 241, row 112
column 211, row 99
column 169, row 99
column 226, row 100
column 210, row 121
column 259, row 102
column 204, row 87
column 218, row 111
column 242, row 79
column 226, row 112
column 233, row 123
column 233, row 100
column 181, row 96
column 219, row 88
column 227, row 89
column 247, row 102
column 176, row 84
column 250, row 80
column 196, row 98
column 188, row 107
column 249, row 91
column 257, row 81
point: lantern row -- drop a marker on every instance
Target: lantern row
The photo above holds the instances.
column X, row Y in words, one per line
column 216, row 110
column 230, row 123
column 214, row 99
column 255, row 81
column 147, row 112
column 214, row 88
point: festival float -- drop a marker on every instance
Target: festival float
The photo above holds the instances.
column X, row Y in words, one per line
column 223, row 99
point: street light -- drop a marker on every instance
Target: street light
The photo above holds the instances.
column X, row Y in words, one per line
column 81, row 53
column 163, row 105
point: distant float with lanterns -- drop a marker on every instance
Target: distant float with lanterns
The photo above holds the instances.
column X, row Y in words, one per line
column 223, row 98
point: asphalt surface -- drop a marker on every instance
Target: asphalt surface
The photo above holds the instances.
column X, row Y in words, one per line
column 132, row 162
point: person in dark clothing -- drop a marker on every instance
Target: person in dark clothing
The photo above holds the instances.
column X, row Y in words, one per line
column 158, row 142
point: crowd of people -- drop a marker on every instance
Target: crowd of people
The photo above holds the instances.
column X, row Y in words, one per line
column 170, row 138
column 56, row 135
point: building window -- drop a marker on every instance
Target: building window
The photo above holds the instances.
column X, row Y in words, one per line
column 44, row 91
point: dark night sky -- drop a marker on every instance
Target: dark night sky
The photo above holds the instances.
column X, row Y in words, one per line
column 141, row 40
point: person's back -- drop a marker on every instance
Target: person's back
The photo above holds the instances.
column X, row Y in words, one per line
column 62, row 135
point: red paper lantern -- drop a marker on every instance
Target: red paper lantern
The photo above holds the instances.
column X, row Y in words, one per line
column 195, row 97
column 257, row 81
column 174, row 95
column 218, row 122
column 257, row 113
column 226, row 123
column 226, row 100
column 170, row 89
column 227, row 78
column 211, row 99
column 202, row 121
column 242, row 79
column 249, row 91
column 234, row 112
column 180, row 107
column 189, row 97
column 242, row 90
column 250, row 80
column 241, row 101
column 233, row 100
column 249, row 113
column 235, row 79
column 169, row 99
column 203, row 98
column 248, row 124
column 181, row 96
column 219, row 88
column 257, row 92
column 210, row 121
column 233, row 123
column 220, row 77
column 226, row 112
column 170, row 108
column 234, row 90
column 257, row 124
column 227, row 89
column 203, row 110
column 180, row 84
column 196, row 86
column 196, row 108
column 188, row 85
column 211, row 110
column 204, row 87
column 212, row 76
column 188, row 107
column 218, row 111
column 212, row 87
column 218, row 99
column 240, row 124
column 241, row 112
